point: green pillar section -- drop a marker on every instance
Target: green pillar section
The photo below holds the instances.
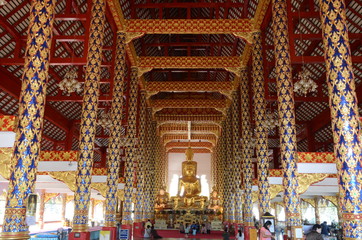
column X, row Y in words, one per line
column 246, row 148
column 89, row 117
column 131, row 150
column 288, row 143
column 261, row 133
column 344, row 113
column 139, row 206
column 30, row 125
column 113, row 156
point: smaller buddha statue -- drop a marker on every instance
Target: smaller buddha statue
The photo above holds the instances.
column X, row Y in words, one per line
column 215, row 201
column 162, row 198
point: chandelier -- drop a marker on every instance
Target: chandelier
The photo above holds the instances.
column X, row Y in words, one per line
column 270, row 120
column 105, row 121
column 69, row 84
column 305, row 84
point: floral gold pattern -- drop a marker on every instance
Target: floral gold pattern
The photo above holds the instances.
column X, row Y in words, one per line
column 288, row 140
column 116, row 134
column 344, row 114
column 89, row 116
column 31, row 112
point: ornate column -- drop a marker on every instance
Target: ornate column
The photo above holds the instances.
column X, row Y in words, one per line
column 147, row 181
column 89, row 119
column 64, row 207
column 316, row 211
column 237, row 159
column 41, row 209
column 114, row 145
column 261, row 133
column 154, row 187
column 30, row 124
column 140, row 192
column 131, row 151
column 286, row 113
column 344, row 114
column 247, row 152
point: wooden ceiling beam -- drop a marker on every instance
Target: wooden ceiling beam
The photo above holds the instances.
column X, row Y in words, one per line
column 13, row 86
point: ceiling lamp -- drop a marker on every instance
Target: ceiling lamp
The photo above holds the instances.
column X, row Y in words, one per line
column 270, row 120
column 305, row 84
column 3, row 2
column 69, row 84
column 105, row 121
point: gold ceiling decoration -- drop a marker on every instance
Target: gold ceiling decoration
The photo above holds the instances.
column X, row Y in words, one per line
column 195, row 150
column 189, row 62
column 332, row 199
column 195, row 129
column 154, row 87
column 235, row 70
column 206, row 137
column 206, row 145
column 49, row 196
column 307, row 179
column 101, row 188
column 132, row 35
column 189, row 26
column 188, row 103
column 67, row 177
column 172, row 118
column 143, row 70
column 311, row 201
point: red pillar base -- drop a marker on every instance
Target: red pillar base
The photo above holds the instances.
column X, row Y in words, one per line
column 138, row 229
column 250, row 233
column 79, row 236
column 130, row 230
column 113, row 231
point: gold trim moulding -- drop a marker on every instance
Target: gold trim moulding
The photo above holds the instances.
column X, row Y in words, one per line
column 14, row 235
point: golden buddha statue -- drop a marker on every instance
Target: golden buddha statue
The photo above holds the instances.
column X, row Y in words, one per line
column 161, row 199
column 215, row 201
column 189, row 186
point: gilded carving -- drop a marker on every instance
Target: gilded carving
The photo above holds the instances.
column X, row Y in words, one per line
column 188, row 62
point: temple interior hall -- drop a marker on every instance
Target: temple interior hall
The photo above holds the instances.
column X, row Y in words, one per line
column 205, row 119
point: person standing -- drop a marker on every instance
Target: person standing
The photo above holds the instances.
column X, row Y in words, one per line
column 265, row 233
column 187, row 230
column 148, row 232
column 325, row 229
column 226, row 235
column 315, row 234
column 240, row 235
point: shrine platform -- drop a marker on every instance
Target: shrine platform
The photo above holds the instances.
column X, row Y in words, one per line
column 174, row 233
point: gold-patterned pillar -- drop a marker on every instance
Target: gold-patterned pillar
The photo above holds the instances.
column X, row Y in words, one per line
column 30, row 125
column 238, row 217
column 131, row 151
column 139, row 206
column 114, row 145
column 41, row 209
column 344, row 113
column 261, row 133
column 64, row 207
column 147, row 180
column 286, row 113
column 89, row 117
column 246, row 150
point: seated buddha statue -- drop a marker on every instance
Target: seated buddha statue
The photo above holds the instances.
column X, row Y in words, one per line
column 189, row 186
column 215, row 201
column 161, row 198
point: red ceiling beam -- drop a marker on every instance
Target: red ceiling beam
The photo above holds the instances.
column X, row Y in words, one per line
column 189, row 5
column 53, row 61
column 12, row 86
